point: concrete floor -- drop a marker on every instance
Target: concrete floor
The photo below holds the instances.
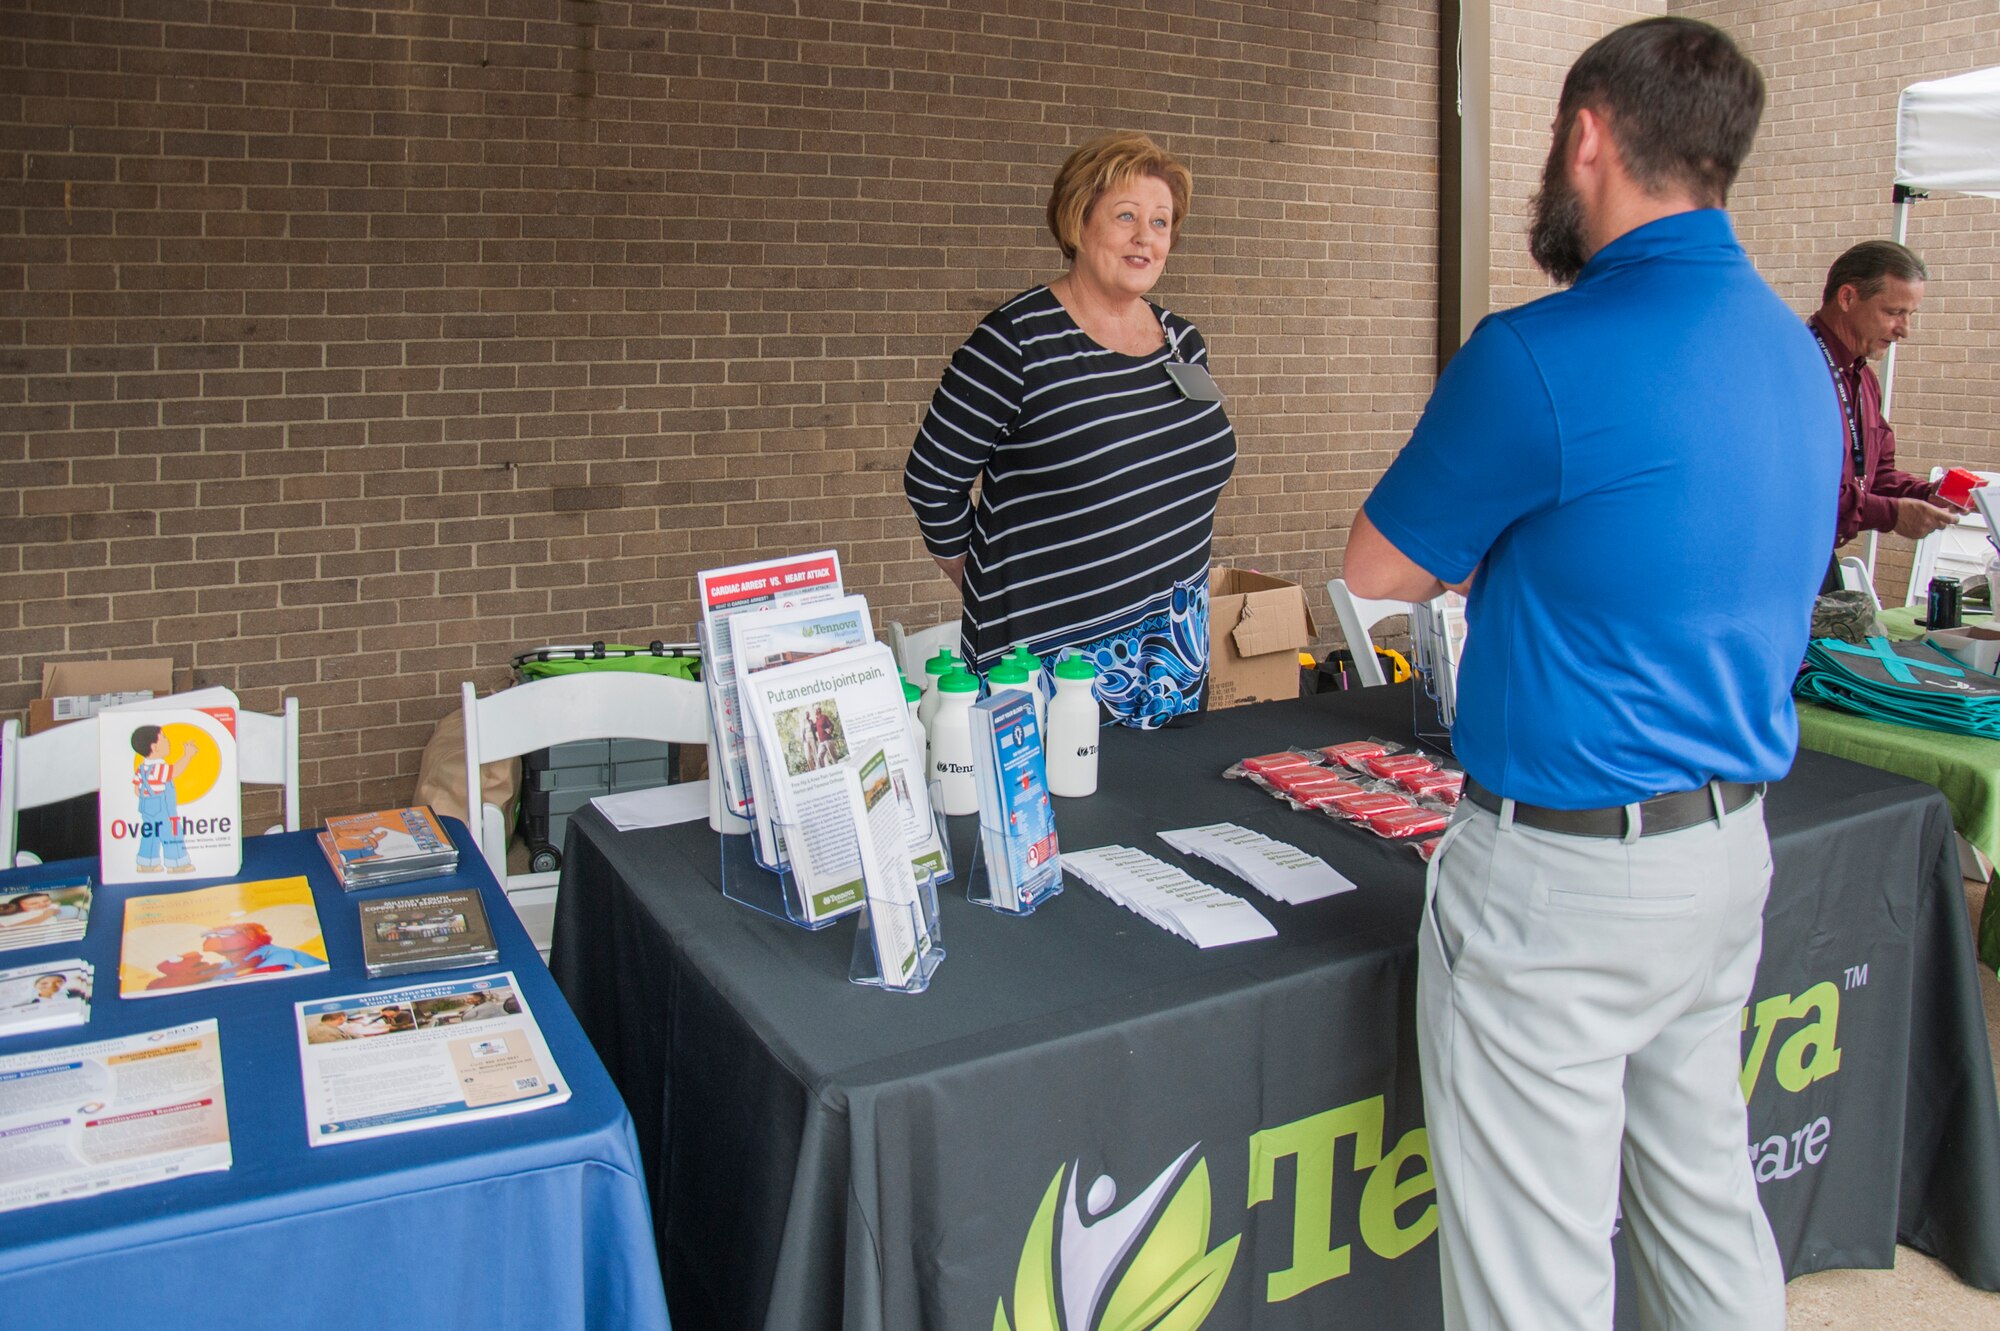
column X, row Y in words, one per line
column 1919, row 1293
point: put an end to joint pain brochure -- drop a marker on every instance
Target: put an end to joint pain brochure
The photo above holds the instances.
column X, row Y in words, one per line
column 402, row 1060
column 810, row 718
column 91, row 1118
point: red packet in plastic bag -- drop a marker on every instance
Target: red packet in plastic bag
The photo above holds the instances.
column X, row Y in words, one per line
column 1406, row 822
column 1365, row 804
column 1329, row 796
column 1270, row 763
column 1392, row 765
column 1437, row 785
column 1353, row 752
column 1302, row 781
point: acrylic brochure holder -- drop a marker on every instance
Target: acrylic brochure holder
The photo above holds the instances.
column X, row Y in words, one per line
column 1047, row 882
column 748, row 881
column 866, row 965
column 773, row 889
column 1437, row 640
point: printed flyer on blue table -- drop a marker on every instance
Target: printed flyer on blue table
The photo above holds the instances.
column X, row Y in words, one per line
column 425, row 1056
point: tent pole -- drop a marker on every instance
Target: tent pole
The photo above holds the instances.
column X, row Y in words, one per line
column 1902, row 196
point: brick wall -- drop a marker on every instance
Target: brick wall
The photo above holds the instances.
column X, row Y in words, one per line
column 346, row 348
column 1819, row 181
column 1534, row 44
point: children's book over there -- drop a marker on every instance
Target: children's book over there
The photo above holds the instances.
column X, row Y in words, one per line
column 169, row 802
column 219, row 935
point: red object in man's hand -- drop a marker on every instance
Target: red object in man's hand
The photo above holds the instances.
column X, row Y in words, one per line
column 1957, row 486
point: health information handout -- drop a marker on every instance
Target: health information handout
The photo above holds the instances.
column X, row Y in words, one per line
column 401, row 1060
column 785, row 635
column 793, row 580
column 91, row 1118
column 809, row 717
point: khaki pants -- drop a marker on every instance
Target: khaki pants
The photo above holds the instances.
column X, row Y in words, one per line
column 1578, row 1017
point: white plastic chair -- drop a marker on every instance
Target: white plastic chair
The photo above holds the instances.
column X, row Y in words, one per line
column 605, row 704
column 1357, row 615
column 62, row 763
column 914, row 649
column 1958, row 551
column 1854, row 578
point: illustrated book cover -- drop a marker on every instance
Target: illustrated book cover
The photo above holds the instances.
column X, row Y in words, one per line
column 231, row 934
column 169, row 802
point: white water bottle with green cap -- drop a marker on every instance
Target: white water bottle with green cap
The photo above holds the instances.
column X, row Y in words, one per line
column 935, row 669
column 1034, row 665
column 951, row 743
column 1009, row 674
column 913, row 698
column 1071, row 742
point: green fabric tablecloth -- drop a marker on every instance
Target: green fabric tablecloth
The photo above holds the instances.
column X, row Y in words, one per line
column 1965, row 767
column 1900, row 622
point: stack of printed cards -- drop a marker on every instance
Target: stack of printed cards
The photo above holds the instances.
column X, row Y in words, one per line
column 53, row 912
column 1204, row 915
column 45, row 997
column 1282, row 872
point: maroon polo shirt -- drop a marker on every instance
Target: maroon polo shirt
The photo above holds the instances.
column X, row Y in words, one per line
column 1867, row 501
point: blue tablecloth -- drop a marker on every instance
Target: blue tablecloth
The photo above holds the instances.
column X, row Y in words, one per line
column 536, row 1220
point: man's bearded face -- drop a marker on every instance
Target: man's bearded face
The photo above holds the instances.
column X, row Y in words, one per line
column 1555, row 233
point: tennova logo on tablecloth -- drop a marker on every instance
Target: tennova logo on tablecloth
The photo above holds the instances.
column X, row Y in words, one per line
column 1089, row 1264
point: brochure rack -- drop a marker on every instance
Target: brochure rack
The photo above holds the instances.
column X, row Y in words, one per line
column 1437, row 638
column 775, row 891
column 865, row 966
column 979, row 884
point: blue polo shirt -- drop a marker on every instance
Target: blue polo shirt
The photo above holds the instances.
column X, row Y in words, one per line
column 1643, row 471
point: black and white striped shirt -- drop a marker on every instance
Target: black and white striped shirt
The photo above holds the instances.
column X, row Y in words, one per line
column 1100, row 478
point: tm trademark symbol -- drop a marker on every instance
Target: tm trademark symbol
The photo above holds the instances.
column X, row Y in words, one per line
column 1857, row 976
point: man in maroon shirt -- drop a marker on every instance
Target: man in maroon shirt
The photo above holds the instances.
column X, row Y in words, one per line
column 1871, row 292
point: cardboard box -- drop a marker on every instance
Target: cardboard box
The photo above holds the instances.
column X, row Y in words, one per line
column 72, row 690
column 1257, row 626
column 1977, row 646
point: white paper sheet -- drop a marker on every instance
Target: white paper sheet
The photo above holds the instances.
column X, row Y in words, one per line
column 662, row 806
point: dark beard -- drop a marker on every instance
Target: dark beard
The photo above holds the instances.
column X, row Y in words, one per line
column 1555, row 233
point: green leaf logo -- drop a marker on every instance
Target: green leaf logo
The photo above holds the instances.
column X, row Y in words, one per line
column 1065, row 1280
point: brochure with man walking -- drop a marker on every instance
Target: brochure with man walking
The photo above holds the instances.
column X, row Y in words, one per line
column 809, row 719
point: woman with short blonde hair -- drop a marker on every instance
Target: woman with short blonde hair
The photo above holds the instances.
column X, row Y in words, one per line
column 1103, row 162
column 1084, row 416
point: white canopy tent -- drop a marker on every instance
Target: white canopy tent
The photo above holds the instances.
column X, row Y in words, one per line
column 1947, row 138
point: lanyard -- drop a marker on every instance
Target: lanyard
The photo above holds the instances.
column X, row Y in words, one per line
column 1847, row 414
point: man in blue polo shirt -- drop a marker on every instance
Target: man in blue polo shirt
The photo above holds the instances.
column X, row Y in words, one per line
column 1631, row 476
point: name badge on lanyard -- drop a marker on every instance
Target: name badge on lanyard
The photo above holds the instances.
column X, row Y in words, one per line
column 1194, row 381
column 1849, row 416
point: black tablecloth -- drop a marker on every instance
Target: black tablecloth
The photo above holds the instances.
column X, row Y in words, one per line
column 822, row 1154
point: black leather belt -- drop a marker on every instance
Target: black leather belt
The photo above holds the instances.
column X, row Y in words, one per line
column 1660, row 814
